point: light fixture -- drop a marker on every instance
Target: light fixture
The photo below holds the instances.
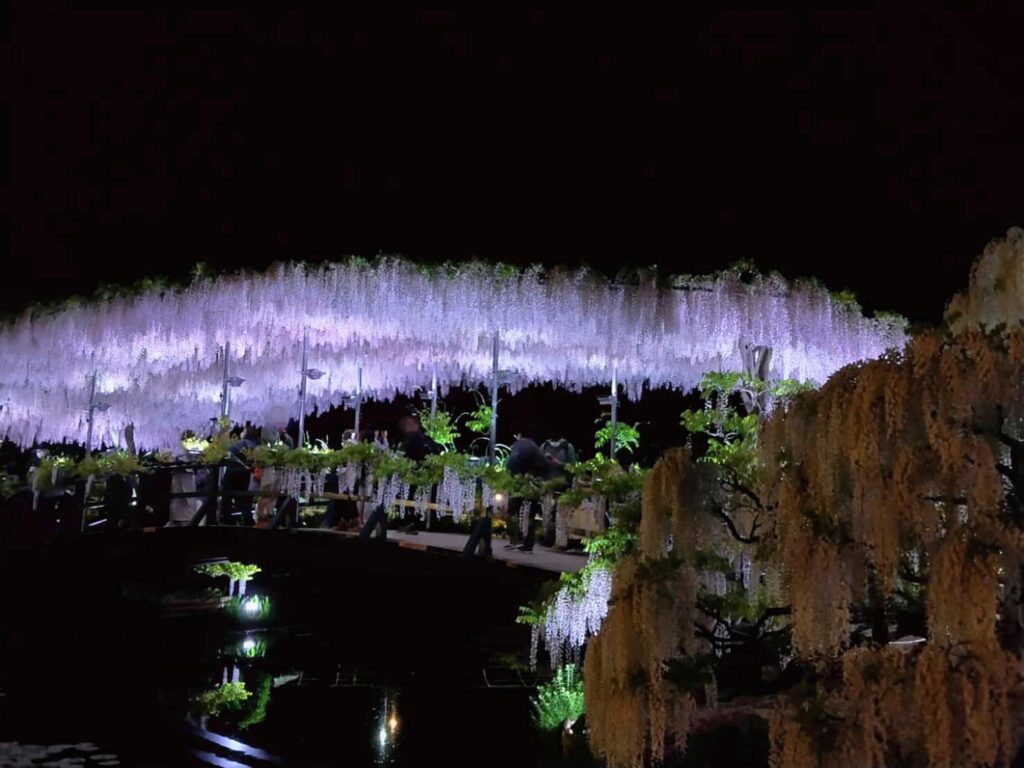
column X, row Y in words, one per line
column 248, row 644
column 252, row 605
column 498, row 497
column 382, row 736
column 393, row 723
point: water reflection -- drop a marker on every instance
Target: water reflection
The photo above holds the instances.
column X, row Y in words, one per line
column 13, row 753
column 251, row 645
column 305, row 675
column 385, row 725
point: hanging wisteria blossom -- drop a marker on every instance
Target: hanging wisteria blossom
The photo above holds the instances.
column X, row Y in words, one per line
column 348, row 476
column 572, row 617
column 159, row 362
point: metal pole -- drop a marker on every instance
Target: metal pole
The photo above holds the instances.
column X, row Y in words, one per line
column 615, row 411
column 302, row 392
column 433, row 392
column 359, row 397
column 92, row 411
column 225, row 392
column 225, row 405
column 491, row 449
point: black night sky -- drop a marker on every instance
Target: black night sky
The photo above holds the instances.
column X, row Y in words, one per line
column 876, row 150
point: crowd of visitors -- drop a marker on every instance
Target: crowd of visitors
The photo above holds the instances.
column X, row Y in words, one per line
column 234, row 493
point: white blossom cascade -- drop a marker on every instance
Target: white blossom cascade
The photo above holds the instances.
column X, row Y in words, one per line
column 159, row 356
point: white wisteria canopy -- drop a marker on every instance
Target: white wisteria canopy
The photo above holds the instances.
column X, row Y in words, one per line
column 158, row 355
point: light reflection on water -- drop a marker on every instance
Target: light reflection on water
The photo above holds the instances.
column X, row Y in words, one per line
column 16, row 755
column 386, row 728
column 292, row 686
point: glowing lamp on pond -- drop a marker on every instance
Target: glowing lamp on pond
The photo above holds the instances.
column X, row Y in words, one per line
column 248, row 644
column 252, row 605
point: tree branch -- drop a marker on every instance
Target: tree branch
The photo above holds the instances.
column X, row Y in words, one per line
column 732, row 527
column 738, row 487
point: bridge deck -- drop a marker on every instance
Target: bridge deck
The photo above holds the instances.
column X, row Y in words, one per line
column 542, row 557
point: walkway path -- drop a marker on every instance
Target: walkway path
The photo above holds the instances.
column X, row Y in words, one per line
column 542, row 557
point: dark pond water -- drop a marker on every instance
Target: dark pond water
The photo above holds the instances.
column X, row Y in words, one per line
column 355, row 654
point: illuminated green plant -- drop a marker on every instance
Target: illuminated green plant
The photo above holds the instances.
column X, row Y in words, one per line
column 627, row 436
column 50, row 471
column 232, row 570
column 257, row 708
column 227, row 696
column 250, row 608
column 441, row 429
column 732, row 432
column 120, row 463
column 194, row 444
column 559, row 703
column 479, row 420
column 251, row 648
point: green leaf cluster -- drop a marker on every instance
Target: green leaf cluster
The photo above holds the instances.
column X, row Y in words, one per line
column 226, row 696
column 257, row 708
column 104, row 465
column 442, row 429
column 479, row 421
column 560, row 702
column 627, row 436
column 230, row 569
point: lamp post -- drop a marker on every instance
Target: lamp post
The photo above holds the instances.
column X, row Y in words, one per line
column 615, row 410
column 613, row 402
column 498, row 377
column 307, row 373
column 359, row 398
column 433, row 391
column 227, row 383
column 491, row 448
column 94, row 405
column 356, row 400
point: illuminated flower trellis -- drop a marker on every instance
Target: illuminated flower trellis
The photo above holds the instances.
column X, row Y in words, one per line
column 158, row 356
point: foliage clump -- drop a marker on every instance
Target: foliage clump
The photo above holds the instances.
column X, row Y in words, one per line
column 559, row 702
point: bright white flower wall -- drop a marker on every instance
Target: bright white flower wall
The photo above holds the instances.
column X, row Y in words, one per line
column 159, row 355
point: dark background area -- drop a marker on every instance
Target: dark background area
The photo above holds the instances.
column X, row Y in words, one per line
column 877, row 150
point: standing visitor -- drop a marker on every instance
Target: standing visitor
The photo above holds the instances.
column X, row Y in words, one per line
column 236, row 480
column 525, row 458
column 417, row 445
column 274, row 431
column 413, row 442
column 560, row 454
column 183, row 480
